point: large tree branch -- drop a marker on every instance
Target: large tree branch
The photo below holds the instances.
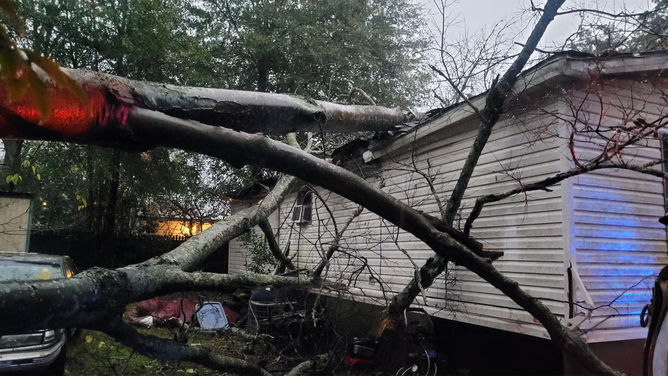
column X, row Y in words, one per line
column 196, row 249
column 496, row 97
column 489, row 116
column 274, row 248
column 97, row 295
column 138, row 125
column 240, row 148
column 545, row 183
column 111, row 97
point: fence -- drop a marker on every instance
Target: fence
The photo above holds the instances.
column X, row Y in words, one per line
column 88, row 249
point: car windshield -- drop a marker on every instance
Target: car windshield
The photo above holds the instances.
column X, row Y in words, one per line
column 23, row 270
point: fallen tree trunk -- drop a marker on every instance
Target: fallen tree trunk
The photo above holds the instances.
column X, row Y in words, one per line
column 98, row 295
column 112, row 98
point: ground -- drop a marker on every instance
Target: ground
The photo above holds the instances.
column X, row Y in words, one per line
column 94, row 353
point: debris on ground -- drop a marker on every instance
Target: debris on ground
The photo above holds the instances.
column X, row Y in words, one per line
column 158, row 312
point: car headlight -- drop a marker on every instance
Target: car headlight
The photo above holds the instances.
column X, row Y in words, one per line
column 49, row 336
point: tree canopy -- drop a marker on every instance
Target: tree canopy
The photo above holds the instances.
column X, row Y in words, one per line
column 321, row 49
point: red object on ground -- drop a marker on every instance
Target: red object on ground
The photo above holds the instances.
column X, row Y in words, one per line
column 354, row 361
column 163, row 310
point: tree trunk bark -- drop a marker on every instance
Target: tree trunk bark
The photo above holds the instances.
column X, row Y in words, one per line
column 12, row 162
column 107, row 248
column 112, row 98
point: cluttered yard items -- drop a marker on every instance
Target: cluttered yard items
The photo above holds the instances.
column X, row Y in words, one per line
column 176, row 311
column 405, row 347
column 282, row 328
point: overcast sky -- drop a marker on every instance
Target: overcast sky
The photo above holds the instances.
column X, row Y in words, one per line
column 476, row 14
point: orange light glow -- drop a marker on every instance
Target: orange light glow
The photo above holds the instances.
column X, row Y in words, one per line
column 69, row 116
column 68, row 273
column 180, row 228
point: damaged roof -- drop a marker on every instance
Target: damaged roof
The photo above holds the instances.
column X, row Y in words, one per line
column 573, row 64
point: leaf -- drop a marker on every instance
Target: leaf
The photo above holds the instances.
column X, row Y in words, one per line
column 14, row 179
column 25, row 163
column 78, row 196
column 34, row 170
column 80, row 207
column 101, row 344
column 89, row 338
column 83, row 201
column 7, row 7
column 39, row 177
column 52, row 69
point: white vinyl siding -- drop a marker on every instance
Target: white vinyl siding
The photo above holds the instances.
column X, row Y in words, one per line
column 604, row 223
column 616, row 238
column 239, row 253
column 527, row 228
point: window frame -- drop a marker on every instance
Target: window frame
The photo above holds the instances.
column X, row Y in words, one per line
column 302, row 211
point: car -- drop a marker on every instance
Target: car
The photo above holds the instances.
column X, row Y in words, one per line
column 42, row 351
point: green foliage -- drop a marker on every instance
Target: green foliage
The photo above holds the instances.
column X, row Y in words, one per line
column 315, row 48
column 645, row 33
column 261, row 259
column 14, row 179
column 654, row 34
column 321, row 48
column 16, row 70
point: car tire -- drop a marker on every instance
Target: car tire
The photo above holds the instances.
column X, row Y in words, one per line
column 57, row 368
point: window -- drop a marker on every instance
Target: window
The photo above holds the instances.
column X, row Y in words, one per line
column 302, row 210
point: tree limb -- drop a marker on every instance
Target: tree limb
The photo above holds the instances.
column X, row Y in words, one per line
column 111, row 97
column 544, row 184
column 310, row 366
column 198, row 248
column 335, row 243
column 262, row 151
column 495, row 100
column 140, row 125
column 274, row 247
column 98, row 295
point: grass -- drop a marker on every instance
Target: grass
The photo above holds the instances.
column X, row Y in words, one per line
column 94, row 353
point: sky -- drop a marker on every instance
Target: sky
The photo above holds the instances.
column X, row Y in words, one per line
column 476, row 14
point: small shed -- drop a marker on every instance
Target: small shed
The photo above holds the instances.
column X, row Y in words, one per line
column 15, row 222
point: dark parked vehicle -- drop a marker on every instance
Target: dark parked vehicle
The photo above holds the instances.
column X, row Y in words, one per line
column 43, row 350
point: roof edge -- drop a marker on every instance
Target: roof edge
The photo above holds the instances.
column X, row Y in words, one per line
column 568, row 64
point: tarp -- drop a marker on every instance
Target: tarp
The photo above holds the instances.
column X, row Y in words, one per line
column 163, row 310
